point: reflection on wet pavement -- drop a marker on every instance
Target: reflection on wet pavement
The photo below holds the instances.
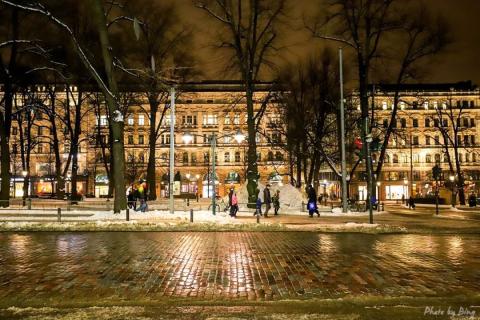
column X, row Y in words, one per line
column 235, row 265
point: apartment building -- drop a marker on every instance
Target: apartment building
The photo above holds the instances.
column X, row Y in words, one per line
column 202, row 109
column 436, row 124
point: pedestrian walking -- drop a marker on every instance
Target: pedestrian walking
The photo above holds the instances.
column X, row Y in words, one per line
column 411, row 203
column 230, row 195
column 142, row 196
column 267, row 199
column 258, row 204
column 234, row 206
column 276, row 202
column 312, row 202
column 131, row 198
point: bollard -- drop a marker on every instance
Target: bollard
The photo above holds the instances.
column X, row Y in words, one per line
column 128, row 214
column 29, row 203
column 191, row 215
column 258, row 218
column 188, row 202
column 59, row 214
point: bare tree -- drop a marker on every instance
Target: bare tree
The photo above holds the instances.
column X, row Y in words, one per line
column 457, row 140
column 158, row 59
column 359, row 25
column 420, row 37
column 249, row 30
column 107, row 83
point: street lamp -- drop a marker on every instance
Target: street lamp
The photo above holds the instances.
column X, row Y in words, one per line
column 238, row 136
column 452, row 179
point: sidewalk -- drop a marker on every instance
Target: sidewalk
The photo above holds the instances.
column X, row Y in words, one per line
column 397, row 220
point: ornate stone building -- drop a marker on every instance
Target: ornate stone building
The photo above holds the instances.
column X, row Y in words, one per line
column 435, row 124
column 202, row 109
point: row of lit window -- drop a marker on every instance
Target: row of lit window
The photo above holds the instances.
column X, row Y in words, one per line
column 435, row 123
column 461, row 104
column 437, row 158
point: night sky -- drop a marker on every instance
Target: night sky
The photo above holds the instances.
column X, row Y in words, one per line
column 460, row 61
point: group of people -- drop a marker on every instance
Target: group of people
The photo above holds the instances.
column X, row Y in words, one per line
column 138, row 193
column 268, row 200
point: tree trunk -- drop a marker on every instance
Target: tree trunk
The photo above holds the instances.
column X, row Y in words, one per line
column 299, row 167
column 252, row 167
column 363, row 86
column 151, row 174
column 111, row 97
column 6, row 116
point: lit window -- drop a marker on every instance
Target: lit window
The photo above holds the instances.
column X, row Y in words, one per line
column 227, row 139
column 141, row 120
column 227, row 119
column 210, row 119
column 425, row 105
column 402, row 105
column 103, row 120
column 130, row 120
column 384, row 105
column 236, row 119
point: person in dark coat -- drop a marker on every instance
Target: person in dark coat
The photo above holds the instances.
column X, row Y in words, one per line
column 312, row 202
column 132, row 203
column 230, row 195
column 276, row 202
column 267, row 199
column 411, row 203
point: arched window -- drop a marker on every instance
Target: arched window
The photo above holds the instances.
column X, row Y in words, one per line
column 270, row 156
column 387, row 158
column 185, row 157
column 427, row 122
column 278, row 156
column 226, row 157
column 428, row 158
column 437, row 158
column 395, row 158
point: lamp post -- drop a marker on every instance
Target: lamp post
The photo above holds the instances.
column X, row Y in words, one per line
column 172, row 148
column 454, row 196
column 239, row 137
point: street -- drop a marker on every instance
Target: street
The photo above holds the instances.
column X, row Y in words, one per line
column 65, row 269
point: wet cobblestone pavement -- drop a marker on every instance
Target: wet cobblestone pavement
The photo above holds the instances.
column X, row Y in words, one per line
column 235, row 265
